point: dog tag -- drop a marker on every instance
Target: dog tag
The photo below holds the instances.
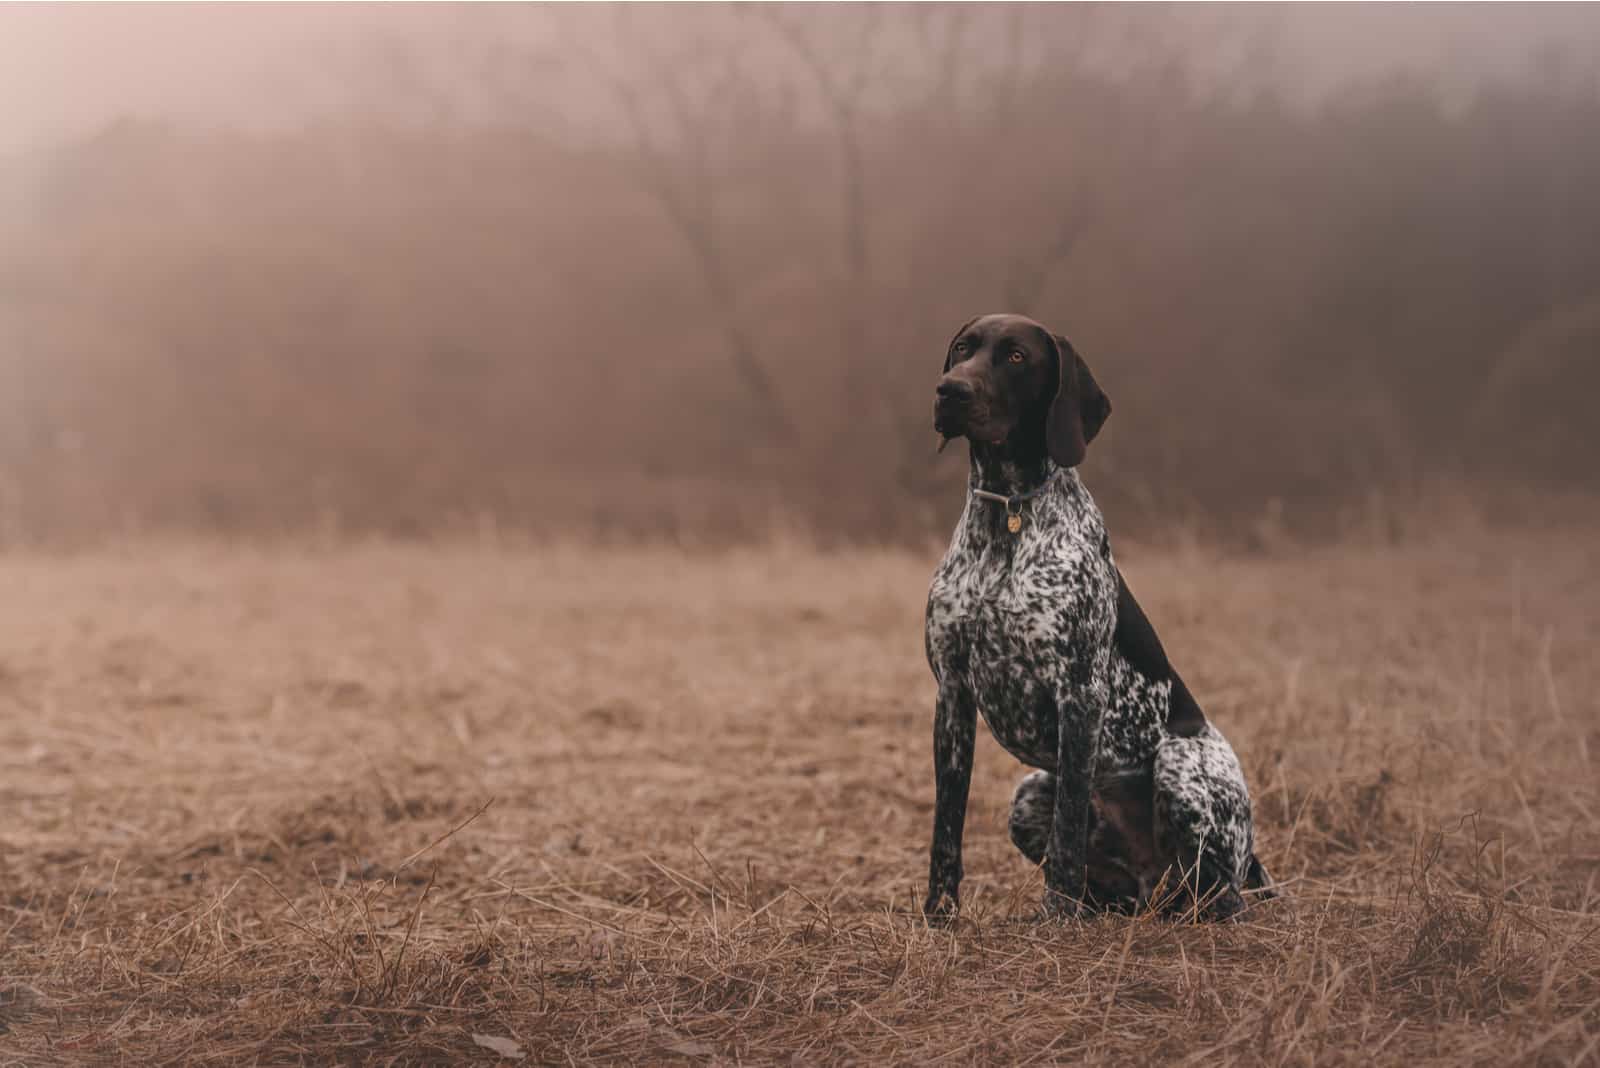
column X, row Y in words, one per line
column 1014, row 523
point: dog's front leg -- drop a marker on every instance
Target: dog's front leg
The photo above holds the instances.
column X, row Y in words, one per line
column 954, row 724
column 1080, row 712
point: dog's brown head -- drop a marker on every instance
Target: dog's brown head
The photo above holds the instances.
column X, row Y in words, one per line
column 1009, row 380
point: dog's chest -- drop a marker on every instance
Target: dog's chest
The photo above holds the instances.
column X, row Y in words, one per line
column 1010, row 617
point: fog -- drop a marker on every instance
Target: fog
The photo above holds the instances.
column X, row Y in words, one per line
column 65, row 69
column 688, row 272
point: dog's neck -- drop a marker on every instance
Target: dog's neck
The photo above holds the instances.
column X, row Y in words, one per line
column 1033, row 485
column 1009, row 469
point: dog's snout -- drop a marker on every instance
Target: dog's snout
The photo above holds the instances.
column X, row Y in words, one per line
column 953, row 404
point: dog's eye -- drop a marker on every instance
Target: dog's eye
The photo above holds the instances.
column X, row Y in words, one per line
column 1017, row 356
column 960, row 348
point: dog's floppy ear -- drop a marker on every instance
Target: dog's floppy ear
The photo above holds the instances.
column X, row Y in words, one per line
column 950, row 350
column 1079, row 410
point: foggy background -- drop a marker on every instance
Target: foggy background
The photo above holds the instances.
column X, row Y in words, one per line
column 690, row 272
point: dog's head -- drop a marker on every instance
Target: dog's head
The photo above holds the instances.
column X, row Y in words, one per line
column 1008, row 379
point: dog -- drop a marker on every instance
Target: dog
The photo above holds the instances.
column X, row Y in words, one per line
column 1138, row 801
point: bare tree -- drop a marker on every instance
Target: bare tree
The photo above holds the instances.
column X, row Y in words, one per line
column 841, row 70
column 1028, row 270
column 679, row 169
column 841, row 76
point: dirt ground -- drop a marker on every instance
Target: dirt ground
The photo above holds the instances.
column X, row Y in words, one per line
column 474, row 804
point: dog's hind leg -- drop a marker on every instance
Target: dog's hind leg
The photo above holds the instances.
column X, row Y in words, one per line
column 1202, row 811
column 1108, row 884
column 1032, row 815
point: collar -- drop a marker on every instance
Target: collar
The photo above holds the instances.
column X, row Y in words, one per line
column 1014, row 502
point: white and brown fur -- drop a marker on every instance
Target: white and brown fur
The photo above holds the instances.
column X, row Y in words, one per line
column 1036, row 631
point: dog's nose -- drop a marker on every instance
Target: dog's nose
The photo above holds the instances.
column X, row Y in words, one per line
column 954, row 391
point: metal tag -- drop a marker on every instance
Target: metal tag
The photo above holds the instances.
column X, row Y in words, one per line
column 1014, row 523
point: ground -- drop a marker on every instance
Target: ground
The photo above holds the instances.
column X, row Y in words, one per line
column 380, row 804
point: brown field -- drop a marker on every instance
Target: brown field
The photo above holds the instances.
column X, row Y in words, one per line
column 384, row 804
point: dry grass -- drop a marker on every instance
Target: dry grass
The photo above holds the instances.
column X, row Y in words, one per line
column 244, row 796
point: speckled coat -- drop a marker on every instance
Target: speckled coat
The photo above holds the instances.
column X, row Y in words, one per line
column 1037, row 632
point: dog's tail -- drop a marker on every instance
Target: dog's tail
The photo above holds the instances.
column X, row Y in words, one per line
column 1256, row 878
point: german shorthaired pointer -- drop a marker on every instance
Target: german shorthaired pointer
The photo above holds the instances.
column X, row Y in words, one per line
column 1031, row 624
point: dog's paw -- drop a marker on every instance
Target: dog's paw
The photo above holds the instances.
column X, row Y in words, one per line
column 941, row 908
column 1227, row 907
column 1059, row 908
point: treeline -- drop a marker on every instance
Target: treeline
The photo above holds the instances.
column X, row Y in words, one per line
column 695, row 279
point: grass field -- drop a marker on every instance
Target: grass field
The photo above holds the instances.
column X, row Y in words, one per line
column 405, row 804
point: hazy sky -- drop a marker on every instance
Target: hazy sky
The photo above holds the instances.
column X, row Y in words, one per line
column 65, row 68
